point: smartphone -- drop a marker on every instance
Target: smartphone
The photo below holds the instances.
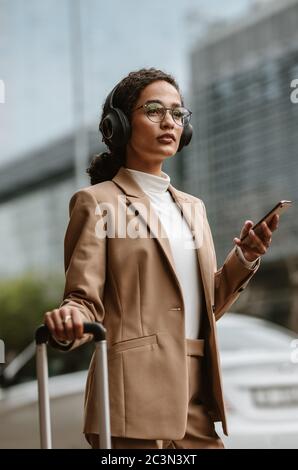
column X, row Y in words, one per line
column 279, row 209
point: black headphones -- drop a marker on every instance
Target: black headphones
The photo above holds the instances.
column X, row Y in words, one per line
column 115, row 127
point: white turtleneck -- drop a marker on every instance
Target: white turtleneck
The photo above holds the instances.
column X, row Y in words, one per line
column 181, row 242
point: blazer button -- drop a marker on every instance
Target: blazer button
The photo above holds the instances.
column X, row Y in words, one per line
column 136, row 212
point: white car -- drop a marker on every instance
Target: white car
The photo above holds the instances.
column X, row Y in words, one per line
column 260, row 379
column 260, row 375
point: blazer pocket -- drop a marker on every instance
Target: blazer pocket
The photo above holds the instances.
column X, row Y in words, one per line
column 131, row 344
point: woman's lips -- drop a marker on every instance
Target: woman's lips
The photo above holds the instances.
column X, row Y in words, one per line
column 165, row 140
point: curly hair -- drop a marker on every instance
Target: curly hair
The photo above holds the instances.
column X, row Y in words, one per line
column 104, row 166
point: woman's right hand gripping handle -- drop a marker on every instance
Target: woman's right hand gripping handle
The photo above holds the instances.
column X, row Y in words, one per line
column 65, row 323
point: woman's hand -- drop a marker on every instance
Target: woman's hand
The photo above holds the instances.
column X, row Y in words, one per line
column 65, row 323
column 254, row 246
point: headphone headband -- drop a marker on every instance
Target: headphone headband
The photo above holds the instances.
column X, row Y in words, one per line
column 111, row 96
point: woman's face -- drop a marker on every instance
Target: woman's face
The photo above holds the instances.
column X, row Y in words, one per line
column 146, row 143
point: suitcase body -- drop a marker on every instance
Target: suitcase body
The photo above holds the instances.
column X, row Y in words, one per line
column 101, row 383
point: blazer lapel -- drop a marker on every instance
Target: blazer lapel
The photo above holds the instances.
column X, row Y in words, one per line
column 139, row 202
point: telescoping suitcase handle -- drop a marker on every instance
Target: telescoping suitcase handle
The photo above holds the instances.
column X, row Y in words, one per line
column 42, row 335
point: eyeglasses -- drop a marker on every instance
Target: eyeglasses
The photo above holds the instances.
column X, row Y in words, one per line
column 156, row 113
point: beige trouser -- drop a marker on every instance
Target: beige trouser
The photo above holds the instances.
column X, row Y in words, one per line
column 200, row 432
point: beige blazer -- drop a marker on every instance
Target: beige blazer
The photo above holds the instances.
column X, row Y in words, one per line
column 131, row 286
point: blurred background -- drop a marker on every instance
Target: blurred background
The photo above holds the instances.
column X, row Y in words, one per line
column 236, row 62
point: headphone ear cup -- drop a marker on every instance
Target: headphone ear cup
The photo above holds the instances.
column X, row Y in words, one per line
column 123, row 129
column 115, row 128
column 185, row 137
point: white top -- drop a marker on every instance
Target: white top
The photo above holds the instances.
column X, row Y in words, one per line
column 181, row 242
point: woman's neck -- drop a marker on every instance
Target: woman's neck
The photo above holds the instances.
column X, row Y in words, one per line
column 135, row 162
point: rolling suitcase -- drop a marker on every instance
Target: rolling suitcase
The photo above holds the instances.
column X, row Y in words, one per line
column 101, row 383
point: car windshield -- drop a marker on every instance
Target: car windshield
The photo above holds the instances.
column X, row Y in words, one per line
column 232, row 338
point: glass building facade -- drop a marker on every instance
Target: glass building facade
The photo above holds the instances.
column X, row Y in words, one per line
column 244, row 155
column 34, row 199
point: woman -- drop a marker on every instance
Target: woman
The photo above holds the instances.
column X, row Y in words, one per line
column 139, row 258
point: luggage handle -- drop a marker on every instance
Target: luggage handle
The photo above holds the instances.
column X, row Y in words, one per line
column 42, row 336
column 42, row 333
